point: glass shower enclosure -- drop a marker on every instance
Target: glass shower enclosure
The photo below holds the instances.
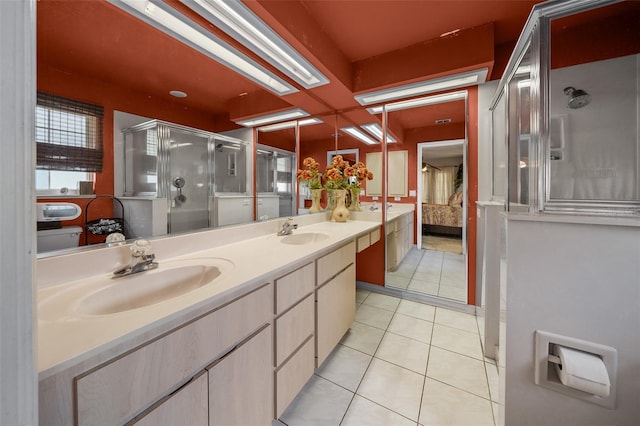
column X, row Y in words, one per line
column 187, row 167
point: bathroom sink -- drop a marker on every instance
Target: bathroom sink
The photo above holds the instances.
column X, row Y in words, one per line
column 106, row 295
column 304, row 238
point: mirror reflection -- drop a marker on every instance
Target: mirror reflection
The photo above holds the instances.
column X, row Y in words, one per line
column 427, row 170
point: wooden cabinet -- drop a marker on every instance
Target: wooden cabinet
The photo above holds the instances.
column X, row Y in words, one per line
column 241, row 384
column 187, row 406
column 398, row 173
column 336, row 301
column 294, row 325
column 399, row 239
column 121, row 389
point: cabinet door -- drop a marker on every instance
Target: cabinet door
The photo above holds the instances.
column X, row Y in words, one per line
column 398, row 174
column 373, row 161
column 241, row 384
column 187, row 406
column 335, row 311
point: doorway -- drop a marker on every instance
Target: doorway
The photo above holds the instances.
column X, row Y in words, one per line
column 441, row 219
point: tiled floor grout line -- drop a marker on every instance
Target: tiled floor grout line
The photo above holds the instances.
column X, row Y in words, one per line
column 424, row 383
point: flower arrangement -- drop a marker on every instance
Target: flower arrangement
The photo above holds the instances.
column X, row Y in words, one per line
column 310, row 173
column 336, row 175
column 360, row 172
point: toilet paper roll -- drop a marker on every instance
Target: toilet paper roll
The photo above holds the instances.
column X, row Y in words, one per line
column 583, row 371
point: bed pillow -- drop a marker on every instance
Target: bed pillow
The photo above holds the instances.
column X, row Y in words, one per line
column 456, row 199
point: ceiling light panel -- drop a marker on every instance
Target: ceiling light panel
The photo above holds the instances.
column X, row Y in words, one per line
column 237, row 20
column 273, row 118
column 423, row 87
column 359, row 134
column 169, row 21
column 419, row 102
column 376, row 130
column 290, row 124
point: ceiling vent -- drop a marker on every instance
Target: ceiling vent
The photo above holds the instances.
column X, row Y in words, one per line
column 443, row 121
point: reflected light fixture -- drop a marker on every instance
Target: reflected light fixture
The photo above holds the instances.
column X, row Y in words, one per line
column 238, row 21
column 359, row 134
column 376, row 130
column 259, row 120
column 418, row 102
column 290, row 124
column 163, row 17
column 178, row 93
column 423, row 87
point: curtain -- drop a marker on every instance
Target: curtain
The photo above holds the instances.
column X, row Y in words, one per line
column 438, row 184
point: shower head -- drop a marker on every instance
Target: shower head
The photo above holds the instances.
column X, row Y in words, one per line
column 577, row 97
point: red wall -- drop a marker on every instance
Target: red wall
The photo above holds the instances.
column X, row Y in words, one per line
column 113, row 97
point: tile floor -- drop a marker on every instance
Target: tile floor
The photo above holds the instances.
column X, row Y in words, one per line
column 402, row 363
column 436, row 273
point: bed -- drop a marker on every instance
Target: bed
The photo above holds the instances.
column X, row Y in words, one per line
column 443, row 219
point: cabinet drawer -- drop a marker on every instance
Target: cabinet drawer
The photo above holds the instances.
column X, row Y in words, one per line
column 332, row 263
column 364, row 242
column 241, row 385
column 188, row 406
column 293, row 328
column 293, row 376
column 375, row 236
column 115, row 392
column 293, row 287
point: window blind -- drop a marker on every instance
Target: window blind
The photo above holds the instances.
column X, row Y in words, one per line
column 68, row 134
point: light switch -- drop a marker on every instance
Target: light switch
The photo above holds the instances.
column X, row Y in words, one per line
column 412, row 193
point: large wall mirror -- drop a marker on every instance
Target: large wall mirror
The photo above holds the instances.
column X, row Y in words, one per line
column 427, row 197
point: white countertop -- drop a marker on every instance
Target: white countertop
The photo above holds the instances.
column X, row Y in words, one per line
column 67, row 338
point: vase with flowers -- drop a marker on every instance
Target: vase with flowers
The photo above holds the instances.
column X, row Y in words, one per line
column 357, row 174
column 336, row 182
column 313, row 177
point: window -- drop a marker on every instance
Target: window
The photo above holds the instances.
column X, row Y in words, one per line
column 68, row 141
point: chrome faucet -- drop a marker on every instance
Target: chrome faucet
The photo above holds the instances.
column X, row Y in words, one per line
column 140, row 260
column 287, row 227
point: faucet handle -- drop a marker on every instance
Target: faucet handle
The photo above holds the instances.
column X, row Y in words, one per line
column 140, row 247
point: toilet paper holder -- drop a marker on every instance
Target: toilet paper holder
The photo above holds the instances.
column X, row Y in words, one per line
column 590, row 373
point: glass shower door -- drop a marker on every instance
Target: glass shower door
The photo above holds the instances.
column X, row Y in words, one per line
column 188, row 189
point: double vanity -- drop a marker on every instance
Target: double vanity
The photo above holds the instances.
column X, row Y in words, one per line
column 226, row 330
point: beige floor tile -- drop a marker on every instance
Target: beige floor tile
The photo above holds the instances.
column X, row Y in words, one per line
column 458, row 370
column 397, row 281
column 382, row 301
column 393, row 387
column 375, row 317
column 457, row 282
column 424, row 287
column 445, row 405
column 497, row 413
column 430, row 275
column 405, row 352
column 459, row 320
column 411, row 327
column 361, row 295
column 319, row 403
column 416, row 310
column 363, row 338
column 459, row 341
column 454, row 293
column 345, row 367
column 494, row 381
column 363, row 412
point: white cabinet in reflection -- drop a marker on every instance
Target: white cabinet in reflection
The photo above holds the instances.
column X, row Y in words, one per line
column 398, row 177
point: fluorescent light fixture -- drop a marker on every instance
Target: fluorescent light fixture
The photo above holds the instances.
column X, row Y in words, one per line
column 359, row 134
column 273, row 118
column 423, row 87
column 290, row 124
column 418, row 102
column 161, row 16
column 376, row 130
column 237, row 20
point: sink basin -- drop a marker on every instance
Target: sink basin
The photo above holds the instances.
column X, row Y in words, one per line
column 106, row 295
column 304, row 238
